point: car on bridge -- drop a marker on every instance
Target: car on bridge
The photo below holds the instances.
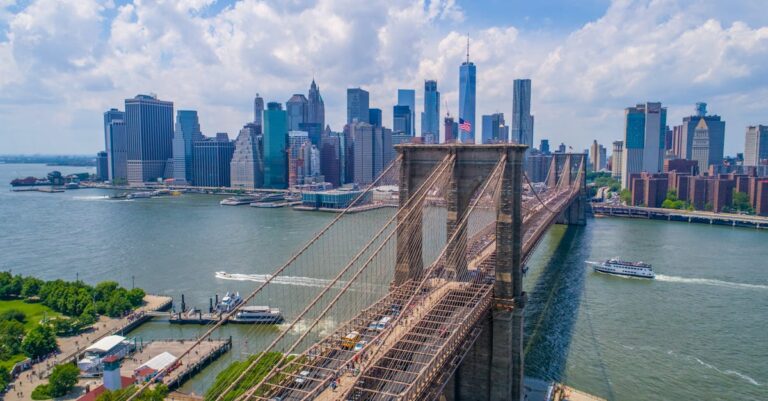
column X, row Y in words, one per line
column 349, row 341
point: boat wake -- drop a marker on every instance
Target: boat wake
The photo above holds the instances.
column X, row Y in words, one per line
column 284, row 280
column 90, row 198
column 728, row 372
column 707, row 281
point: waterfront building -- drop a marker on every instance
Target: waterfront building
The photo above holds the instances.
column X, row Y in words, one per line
column 522, row 120
column 275, row 142
column 407, row 97
column 467, row 99
column 333, row 199
column 707, row 145
column 211, row 160
column 297, row 108
column 761, row 198
column 149, row 131
column 186, row 132
column 561, row 148
column 649, row 190
column 616, row 159
column 117, row 152
column 374, row 117
column 451, row 129
column 258, row 111
column 331, row 157
column 756, row 145
column 645, row 126
column 401, row 119
column 247, row 166
column 493, row 129
column 357, row 105
column 430, row 117
column 315, row 109
column 102, row 171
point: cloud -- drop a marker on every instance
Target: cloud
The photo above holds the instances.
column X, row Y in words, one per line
column 62, row 61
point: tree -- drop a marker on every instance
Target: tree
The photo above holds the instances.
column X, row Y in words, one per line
column 13, row 314
column 740, row 202
column 105, row 289
column 5, row 377
column 626, row 196
column 11, row 334
column 63, row 379
column 38, row 342
column 136, row 296
column 31, row 287
column 158, row 393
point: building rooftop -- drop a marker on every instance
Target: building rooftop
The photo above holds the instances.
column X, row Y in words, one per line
column 105, row 344
column 159, row 362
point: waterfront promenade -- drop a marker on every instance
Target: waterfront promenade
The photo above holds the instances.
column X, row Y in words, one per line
column 694, row 216
column 71, row 347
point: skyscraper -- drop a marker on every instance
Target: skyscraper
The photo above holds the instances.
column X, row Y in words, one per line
column 247, row 166
column 186, row 132
column 401, row 119
column 711, row 137
column 316, row 113
column 430, row 117
column 296, row 142
column 331, row 157
column 451, row 129
column 374, row 117
column 357, row 105
column 149, row 129
column 258, row 111
column 211, row 160
column 407, row 97
column 275, row 139
column 544, row 146
column 116, row 145
column 616, row 159
column 522, row 120
column 756, row 145
column 467, row 98
column 597, row 156
column 371, row 150
column 102, row 171
column 297, row 108
column 494, row 130
column 645, row 127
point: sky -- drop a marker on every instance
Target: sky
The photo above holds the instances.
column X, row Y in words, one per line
column 64, row 62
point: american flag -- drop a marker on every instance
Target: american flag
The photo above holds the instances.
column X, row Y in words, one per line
column 465, row 125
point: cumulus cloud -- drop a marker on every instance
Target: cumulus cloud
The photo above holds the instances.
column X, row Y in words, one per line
column 62, row 62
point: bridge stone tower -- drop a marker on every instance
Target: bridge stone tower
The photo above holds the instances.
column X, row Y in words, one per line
column 494, row 370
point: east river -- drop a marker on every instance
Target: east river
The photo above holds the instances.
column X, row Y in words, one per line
column 697, row 332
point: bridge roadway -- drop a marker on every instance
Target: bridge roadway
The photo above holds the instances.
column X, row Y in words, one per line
column 414, row 357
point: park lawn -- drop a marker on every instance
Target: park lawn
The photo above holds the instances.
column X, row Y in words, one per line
column 35, row 312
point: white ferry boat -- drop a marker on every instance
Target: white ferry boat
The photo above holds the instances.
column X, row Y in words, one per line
column 229, row 302
column 624, row 268
column 238, row 200
column 258, row 315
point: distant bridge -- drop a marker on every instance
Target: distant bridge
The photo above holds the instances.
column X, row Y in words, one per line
column 450, row 322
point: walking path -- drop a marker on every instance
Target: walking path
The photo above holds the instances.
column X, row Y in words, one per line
column 70, row 347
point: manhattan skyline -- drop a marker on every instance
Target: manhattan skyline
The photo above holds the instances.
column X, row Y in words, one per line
column 54, row 78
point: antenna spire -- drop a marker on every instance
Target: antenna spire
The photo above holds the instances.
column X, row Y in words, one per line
column 467, row 48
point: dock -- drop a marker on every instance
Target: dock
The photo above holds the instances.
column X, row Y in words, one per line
column 207, row 352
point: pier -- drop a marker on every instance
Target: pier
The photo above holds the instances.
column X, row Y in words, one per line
column 207, row 352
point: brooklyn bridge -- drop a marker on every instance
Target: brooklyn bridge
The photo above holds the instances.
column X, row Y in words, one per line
column 421, row 302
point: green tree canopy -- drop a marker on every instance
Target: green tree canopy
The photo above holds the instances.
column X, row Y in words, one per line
column 63, row 379
column 38, row 342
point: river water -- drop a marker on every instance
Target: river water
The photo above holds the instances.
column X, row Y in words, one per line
column 698, row 332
